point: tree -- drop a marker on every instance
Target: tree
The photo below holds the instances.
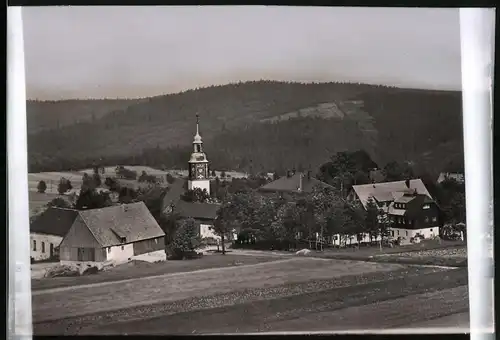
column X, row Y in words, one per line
column 127, row 195
column 41, row 187
column 372, row 218
column 186, row 238
column 222, row 224
column 64, row 186
column 222, row 174
column 59, row 202
column 394, row 171
column 112, row 184
column 214, row 174
column 196, row 195
column 143, row 177
column 96, row 179
column 87, row 182
column 91, row 199
column 170, row 179
column 383, row 226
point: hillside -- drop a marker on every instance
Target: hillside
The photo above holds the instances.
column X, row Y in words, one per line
column 46, row 115
column 261, row 125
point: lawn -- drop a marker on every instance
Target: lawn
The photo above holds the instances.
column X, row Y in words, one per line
column 72, row 301
column 243, row 299
column 141, row 269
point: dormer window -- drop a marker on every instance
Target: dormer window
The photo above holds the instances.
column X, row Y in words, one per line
column 123, row 239
column 427, row 206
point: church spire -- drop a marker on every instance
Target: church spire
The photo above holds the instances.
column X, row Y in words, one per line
column 197, row 124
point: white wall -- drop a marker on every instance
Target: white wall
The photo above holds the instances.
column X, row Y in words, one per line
column 409, row 233
column 46, row 240
column 346, row 240
column 206, row 232
column 116, row 253
column 202, row 184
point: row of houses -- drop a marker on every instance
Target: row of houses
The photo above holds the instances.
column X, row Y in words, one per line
column 410, row 207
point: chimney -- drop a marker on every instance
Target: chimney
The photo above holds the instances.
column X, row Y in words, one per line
column 407, row 182
column 300, row 182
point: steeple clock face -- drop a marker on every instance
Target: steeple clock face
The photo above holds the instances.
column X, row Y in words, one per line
column 200, row 171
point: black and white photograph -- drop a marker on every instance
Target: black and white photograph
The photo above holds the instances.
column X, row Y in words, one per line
column 245, row 169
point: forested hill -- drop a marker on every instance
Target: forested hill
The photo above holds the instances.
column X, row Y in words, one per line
column 309, row 123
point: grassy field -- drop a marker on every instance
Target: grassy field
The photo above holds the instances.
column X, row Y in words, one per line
column 262, row 297
column 74, row 301
column 38, row 200
column 141, row 269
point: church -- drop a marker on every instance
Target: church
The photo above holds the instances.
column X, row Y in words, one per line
column 198, row 177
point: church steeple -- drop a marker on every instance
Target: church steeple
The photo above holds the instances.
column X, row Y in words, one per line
column 198, row 163
column 197, row 141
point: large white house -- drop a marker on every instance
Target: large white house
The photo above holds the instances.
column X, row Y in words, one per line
column 410, row 208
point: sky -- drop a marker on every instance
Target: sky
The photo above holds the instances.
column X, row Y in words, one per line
column 132, row 52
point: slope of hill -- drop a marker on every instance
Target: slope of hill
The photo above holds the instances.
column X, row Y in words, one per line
column 252, row 125
column 46, row 115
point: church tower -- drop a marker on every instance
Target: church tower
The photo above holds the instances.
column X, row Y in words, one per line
column 198, row 164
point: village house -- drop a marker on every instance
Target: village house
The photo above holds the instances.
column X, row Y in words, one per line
column 293, row 183
column 47, row 232
column 410, row 208
column 443, row 176
column 115, row 233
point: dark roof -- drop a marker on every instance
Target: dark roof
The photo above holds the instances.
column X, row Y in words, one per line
column 54, row 221
column 293, row 183
column 132, row 221
column 174, row 192
column 202, row 211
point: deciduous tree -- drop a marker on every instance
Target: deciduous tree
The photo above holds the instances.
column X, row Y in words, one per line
column 41, row 187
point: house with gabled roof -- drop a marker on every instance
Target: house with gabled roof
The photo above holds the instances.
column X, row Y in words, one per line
column 294, row 183
column 115, row 233
column 410, row 208
column 47, row 231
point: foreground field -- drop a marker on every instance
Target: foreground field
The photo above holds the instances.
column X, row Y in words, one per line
column 250, row 298
column 142, row 269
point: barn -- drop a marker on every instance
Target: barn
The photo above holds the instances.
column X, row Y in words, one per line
column 114, row 233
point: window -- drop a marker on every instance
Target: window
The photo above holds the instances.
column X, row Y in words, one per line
column 398, row 232
column 426, row 218
column 404, row 221
column 123, row 247
column 426, row 206
column 434, row 219
column 392, row 233
column 406, row 233
column 156, row 240
column 34, row 245
column 109, row 250
column 431, row 230
column 43, row 247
